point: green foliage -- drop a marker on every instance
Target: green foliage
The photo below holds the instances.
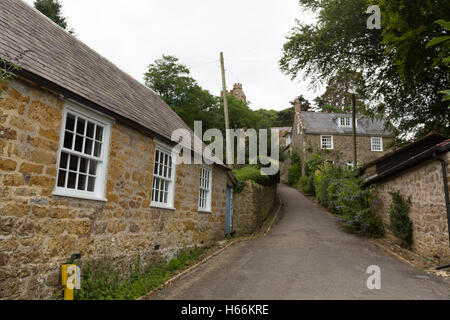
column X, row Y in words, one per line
column 446, row 60
column 303, row 184
column 101, row 281
column 295, row 173
column 173, row 82
column 313, row 163
column 337, row 98
column 52, row 9
column 342, row 192
column 322, row 179
column 253, row 173
column 295, row 157
column 400, row 223
column 397, row 68
column 351, row 203
column 7, row 71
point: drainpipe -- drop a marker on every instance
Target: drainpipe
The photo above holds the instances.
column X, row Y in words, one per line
column 447, row 197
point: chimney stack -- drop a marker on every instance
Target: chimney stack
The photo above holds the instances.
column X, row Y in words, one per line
column 298, row 105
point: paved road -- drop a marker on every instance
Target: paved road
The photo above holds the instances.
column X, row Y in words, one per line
column 305, row 256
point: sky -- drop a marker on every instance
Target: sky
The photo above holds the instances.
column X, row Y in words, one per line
column 134, row 33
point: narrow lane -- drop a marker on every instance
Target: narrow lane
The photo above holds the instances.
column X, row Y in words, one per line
column 305, row 256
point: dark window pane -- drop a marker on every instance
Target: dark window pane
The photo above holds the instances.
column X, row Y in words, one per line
column 63, row 160
column 72, row 180
column 82, row 182
column 90, row 130
column 79, row 143
column 91, row 184
column 62, row 178
column 99, row 133
column 73, row 163
column 81, row 124
column 97, row 149
column 68, row 138
column 88, row 146
column 93, row 167
column 83, row 165
column 70, row 122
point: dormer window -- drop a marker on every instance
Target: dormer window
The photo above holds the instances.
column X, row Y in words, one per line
column 345, row 121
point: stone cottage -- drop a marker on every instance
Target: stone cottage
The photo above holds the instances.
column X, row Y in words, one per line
column 419, row 170
column 331, row 135
column 86, row 163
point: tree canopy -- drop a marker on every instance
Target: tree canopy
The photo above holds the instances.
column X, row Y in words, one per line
column 52, row 9
column 402, row 78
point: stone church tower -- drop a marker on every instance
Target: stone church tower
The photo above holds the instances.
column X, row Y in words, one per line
column 237, row 92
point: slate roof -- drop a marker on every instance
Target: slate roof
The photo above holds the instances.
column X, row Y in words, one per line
column 326, row 123
column 406, row 157
column 54, row 55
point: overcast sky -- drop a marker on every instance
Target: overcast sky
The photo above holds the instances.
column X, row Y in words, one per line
column 134, row 33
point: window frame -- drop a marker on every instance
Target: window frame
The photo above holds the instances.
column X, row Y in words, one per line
column 97, row 118
column 171, row 188
column 372, row 144
column 350, row 125
column 350, row 165
column 321, row 142
column 208, row 208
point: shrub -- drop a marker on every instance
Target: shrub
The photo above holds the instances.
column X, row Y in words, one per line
column 294, row 173
column 400, row 223
column 322, row 179
column 351, row 202
column 312, row 164
column 302, row 183
column 295, row 157
column 251, row 172
column 308, row 186
column 101, row 281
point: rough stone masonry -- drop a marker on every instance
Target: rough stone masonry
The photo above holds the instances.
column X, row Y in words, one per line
column 39, row 232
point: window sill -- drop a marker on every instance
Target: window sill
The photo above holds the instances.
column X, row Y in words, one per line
column 161, row 206
column 75, row 195
column 204, row 211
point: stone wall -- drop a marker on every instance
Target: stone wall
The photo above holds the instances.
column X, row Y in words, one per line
column 39, row 232
column 307, row 144
column 252, row 207
column 343, row 148
column 424, row 183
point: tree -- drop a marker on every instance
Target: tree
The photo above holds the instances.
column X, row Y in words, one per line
column 52, row 9
column 172, row 81
column 304, row 103
column 241, row 116
column 337, row 96
column 397, row 68
column 446, row 59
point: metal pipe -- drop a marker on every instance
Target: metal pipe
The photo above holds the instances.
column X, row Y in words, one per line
column 447, row 198
column 445, row 179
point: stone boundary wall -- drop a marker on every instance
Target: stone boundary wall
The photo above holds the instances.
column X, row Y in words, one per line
column 252, row 206
column 424, row 183
column 39, row 231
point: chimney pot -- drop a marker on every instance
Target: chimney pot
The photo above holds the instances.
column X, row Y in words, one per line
column 298, row 105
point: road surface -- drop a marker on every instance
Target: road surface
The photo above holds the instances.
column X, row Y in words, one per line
column 305, row 256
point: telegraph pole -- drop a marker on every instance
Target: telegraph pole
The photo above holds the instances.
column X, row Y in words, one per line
column 355, row 159
column 225, row 108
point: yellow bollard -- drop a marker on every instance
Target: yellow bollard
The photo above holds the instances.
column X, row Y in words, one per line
column 70, row 280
